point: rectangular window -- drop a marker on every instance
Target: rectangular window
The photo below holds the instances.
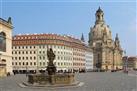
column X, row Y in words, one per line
column 23, row 63
column 43, row 58
column 40, row 57
column 30, row 63
column 23, row 58
column 39, row 52
column 26, row 63
column 26, row 58
column 44, row 63
column 34, row 63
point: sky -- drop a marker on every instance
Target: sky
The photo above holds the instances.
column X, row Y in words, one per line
column 73, row 17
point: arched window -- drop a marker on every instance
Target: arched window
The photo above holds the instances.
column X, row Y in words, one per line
column 98, row 17
column 2, row 41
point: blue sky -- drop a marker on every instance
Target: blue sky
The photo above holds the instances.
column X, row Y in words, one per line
column 73, row 17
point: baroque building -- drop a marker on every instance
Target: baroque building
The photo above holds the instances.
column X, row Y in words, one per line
column 107, row 52
column 5, row 47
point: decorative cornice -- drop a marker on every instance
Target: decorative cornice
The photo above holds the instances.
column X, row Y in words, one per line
column 4, row 22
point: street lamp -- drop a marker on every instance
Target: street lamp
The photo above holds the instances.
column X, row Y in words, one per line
column 126, row 63
column 113, row 64
column 113, row 60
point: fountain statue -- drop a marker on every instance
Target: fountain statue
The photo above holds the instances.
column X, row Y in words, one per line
column 52, row 78
column 51, row 67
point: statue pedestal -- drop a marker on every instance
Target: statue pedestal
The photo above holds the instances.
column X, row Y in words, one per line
column 51, row 69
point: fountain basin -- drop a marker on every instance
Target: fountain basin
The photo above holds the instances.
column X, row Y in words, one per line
column 45, row 79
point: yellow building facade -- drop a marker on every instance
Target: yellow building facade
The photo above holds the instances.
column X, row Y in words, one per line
column 5, row 47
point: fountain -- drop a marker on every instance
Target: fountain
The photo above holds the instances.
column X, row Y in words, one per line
column 52, row 78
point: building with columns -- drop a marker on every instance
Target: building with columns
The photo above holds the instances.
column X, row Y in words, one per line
column 107, row 52
column 5, row 47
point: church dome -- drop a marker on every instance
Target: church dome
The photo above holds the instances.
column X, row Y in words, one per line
column 100, row 30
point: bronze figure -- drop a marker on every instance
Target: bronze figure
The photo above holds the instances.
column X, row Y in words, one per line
column 51, row 68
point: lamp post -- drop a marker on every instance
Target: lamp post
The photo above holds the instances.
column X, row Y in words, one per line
column 126, row 63
column 113, row 64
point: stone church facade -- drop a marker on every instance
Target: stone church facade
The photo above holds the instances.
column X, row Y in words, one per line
column 107, row 52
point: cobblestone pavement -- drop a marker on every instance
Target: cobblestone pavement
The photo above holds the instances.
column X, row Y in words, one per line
column 93, row 81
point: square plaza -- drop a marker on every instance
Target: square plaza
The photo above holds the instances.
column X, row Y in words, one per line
column 92, row 81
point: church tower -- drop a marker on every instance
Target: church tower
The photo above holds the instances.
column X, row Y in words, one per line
column 99, row 16
column 104, row 48
column 82, row 38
